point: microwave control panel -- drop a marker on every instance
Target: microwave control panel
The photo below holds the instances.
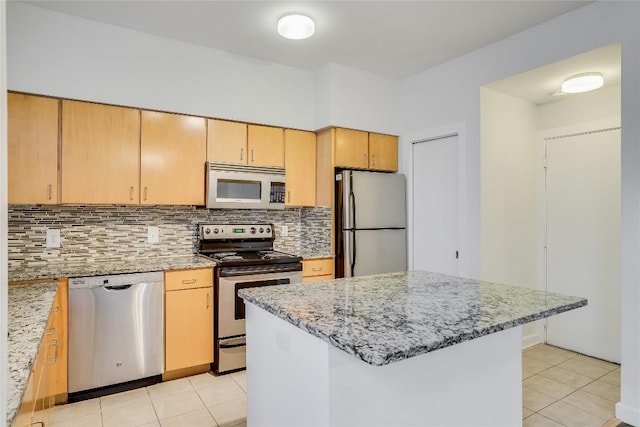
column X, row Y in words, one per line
column 277, row 192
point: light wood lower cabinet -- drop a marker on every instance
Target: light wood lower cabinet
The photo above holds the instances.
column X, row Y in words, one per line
column 48, row 380
column 188, row 318
column 314, row 270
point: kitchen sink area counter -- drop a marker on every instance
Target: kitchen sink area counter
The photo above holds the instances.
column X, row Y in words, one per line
column 29, row 308
column 405, row 348
column 108, row 267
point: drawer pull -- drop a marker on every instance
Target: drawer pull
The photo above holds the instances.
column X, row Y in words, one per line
column 131, row 193
column 242, row 154
column 316, row 269
column 145, row 193
column 50, row 331
column 49, row 192
column 189, row 281
column 207, row 300
column 50, row 360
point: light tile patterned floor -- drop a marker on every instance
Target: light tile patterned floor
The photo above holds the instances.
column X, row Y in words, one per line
column 198, row 401
column 559, row 388
column 562, row 388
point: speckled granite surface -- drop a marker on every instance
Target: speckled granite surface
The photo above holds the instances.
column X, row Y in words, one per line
column 315, row 255
column 385, row 318
column 29, row 308
column 54, row 270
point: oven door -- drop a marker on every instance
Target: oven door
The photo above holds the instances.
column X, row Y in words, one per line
column 231, row 307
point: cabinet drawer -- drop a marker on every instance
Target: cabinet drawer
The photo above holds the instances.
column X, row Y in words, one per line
column 317, row 278
column 188, row 279
column 317, row 267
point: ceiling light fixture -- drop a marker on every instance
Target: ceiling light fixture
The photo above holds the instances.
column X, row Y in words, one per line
column 583, row 83
column 296, row 26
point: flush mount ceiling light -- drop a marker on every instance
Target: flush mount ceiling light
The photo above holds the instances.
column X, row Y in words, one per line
column 296, row 26
column 583, row 83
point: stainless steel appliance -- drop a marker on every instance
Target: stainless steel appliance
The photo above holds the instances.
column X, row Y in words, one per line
column 245, row 259
column 116, row 329
column 370, row 223
column 244, row 187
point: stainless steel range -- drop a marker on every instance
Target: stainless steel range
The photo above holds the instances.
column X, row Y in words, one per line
column 246, row 259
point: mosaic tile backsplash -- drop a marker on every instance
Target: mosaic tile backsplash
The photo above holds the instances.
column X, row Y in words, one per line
column 108, row 232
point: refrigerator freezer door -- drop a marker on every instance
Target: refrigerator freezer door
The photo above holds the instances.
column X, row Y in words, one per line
column 373, row 200
column 374, row 251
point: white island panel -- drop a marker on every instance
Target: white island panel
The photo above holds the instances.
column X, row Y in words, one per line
column 296, row 379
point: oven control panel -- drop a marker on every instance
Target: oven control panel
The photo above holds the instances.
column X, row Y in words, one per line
column 236, row 231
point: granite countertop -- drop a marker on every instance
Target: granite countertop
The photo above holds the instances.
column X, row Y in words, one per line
column 315, row 255
column 385, row 318
column 28, row 311
column 54, row 270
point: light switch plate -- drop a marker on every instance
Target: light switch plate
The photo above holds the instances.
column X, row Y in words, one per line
column 153, row 234
column 53, row 238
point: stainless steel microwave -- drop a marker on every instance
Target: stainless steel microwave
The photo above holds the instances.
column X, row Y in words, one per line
column 244, row 187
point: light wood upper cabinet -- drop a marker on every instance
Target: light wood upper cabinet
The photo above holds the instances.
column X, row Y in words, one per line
column 383, row 152
column 173, row 150
column 265, row 146
column 226, row 141
column 300, row 167
column 351, row 148
column 188, row 328
column 100, row 153
column 32, row 123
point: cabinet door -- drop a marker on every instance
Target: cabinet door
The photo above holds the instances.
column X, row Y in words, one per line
column 351, row 149
column 100, row 153
column 188, row 328
column 173, row 150
column 266, row 146
column 32, row 145
column 300, row 167
column 383, row 152
column 226, row 141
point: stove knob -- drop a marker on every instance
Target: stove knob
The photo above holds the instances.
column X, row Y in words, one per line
column 268, row 230
column 207, row 230
column 261, row 230
column 253, row 230
column 216, row 231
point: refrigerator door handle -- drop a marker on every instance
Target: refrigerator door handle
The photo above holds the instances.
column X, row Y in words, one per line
column 352, row 261
column 352, row 209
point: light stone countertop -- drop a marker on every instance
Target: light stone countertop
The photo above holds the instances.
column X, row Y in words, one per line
column 315, row 255
column 386, row 318
column 53, row 270
column 28, row 311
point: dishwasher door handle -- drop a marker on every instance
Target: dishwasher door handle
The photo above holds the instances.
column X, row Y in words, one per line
column 117, row 288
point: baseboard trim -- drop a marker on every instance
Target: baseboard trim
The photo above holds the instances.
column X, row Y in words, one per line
column 530, row 340
column 628, row 414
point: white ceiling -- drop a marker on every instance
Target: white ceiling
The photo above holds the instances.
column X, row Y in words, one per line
column 391, row 38
column 542, row 85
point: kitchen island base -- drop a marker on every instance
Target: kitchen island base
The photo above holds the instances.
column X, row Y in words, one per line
column 296, row 379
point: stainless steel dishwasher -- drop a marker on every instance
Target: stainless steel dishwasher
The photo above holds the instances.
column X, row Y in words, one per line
column 116, row 326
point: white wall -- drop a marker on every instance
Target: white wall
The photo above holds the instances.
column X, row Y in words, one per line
column 60, row 55
column 509, row 205
column 356, row 99
column 450, row 93
column 3, row 218
column 581, row 108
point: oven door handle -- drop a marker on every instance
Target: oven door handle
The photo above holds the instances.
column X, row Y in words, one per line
column 237, row 342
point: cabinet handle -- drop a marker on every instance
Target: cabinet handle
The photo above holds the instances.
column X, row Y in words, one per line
column 364, row 158
column 316, row 269
column 188, row 281
column 50, row 331
column 253, row 155
column 41, row 423
column 145, row 193
column 131, row 193
column 207, row 300
column 288, row 196
column 49, row 191
column 374, row 159
column 242, row 154
column 53, row 359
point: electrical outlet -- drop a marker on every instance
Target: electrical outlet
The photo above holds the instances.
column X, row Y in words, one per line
column 53, row 238
column 284, row 231
column 153, row 234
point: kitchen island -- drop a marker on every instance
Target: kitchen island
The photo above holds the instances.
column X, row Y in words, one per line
column 408, row 348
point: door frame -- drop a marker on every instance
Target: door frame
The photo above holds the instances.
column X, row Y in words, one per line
column 541, row 142
column 407, row 142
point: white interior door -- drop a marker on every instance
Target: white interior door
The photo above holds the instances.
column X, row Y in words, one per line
column 435, row 205
column 583, row 240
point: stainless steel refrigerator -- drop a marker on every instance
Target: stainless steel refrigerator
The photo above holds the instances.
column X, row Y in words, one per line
column 370, row 223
